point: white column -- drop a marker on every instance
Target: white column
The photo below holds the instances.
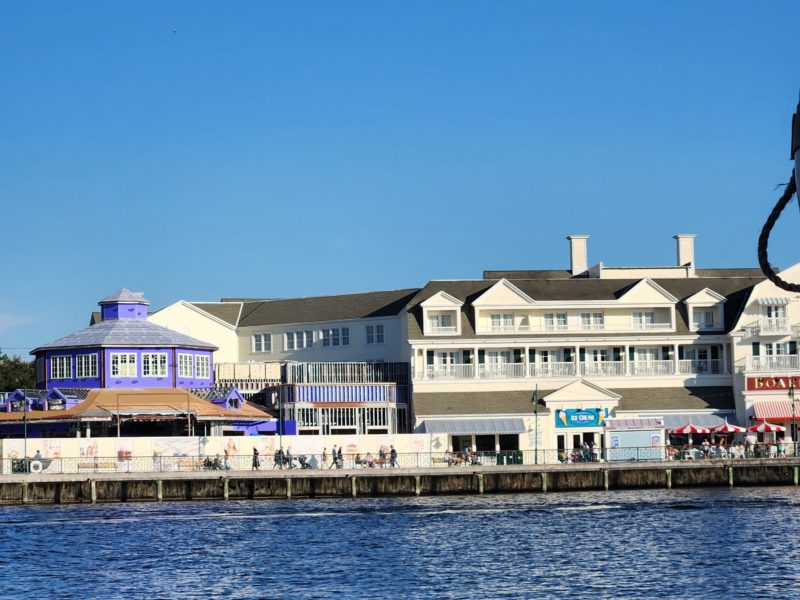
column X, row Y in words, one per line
column 424, row 361
column 577, row 360
column 725, row 358
column 527, row 351
column 625, row 359
column 675, row 358
column 475, row 362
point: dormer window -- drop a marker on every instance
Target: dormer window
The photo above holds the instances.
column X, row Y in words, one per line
column 555, row 321
column 502, row 322
column 442, row 323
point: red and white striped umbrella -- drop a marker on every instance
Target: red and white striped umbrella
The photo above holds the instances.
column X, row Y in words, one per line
column 727, row 428
column 765, row 427
column 689, row 428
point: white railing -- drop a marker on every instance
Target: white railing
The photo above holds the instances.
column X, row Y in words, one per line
column 556, row 327
column 552, row 369
column 440, row 329
column 603, row 368
column 509, row 328
column 592, row 327
column 501, row 370
column 651, row 367
column 448, row 372
column 773, row 325
column 650, row 326
column 700, row 367
column 703, row 325
column 772, row 363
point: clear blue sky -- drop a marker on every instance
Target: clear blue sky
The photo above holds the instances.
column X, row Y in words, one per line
column 306, row 148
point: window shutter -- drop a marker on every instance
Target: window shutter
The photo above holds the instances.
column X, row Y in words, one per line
column 465, row 357
column 582, row 355
column 517, row 356
column 680, row 352
column 532, row 355
column 631, row 353
column 756, row 349
column 430, row 357
column 481, row 357
column 567, row 354
column 665, row 352
column 792, row 347
column 617, row 353
column 714, row 352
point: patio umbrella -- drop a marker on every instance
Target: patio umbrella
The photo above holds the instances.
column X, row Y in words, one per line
column 727, row 428
column 689, row 429
column 765, row 427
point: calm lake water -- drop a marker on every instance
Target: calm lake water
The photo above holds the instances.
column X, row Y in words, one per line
column 679, row 544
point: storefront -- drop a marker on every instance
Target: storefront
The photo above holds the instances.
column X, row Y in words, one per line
column 579, row 411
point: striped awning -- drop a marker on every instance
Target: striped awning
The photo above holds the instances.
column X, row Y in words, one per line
column 775, row 410
column 470, row 426
column 633, row 424
column 773, row 301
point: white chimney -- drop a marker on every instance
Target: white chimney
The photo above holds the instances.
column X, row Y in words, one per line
column 578, row 262
column 685, row 249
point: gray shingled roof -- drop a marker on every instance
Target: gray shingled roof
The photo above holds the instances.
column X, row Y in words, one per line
column 224, row 311
column 125, row 295
column 735, row 289
column 519, row 401
column 679, row 398
column 126, row 333
column 326, row 308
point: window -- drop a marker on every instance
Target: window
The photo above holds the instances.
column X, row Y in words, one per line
column 185, row 365
column 203, row 365
column 123, row 365
column 775, row 312
column 592, row 320
column 502, row 322
column 642, row 320
column 555, row 321
column 374, row 334
column 86, row 366
column 440, row 322
column 297, row 340
column 60, row 367
column 336, row 337
column 262, row 342
column 154, row 365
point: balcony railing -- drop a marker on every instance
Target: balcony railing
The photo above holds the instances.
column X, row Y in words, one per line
column 704, row 326
column 501, row 370
column 700, row 367
column 603, row 368
column 773, row 326
column 441, row 329
column 772, row 363
column 449, row 372
column 509, row 328
column 651, row 367
column 650, row 326
column 552, row 369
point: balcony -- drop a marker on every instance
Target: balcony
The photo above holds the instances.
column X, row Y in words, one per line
column 563, row 328
column 552, row 369
column 651, row 367
column 510, row 329
column 769, row 364
column 501, row 370
column 651, row 326
column 773, row 326
column 700, row 367
column 603, row 368
column 705, row 326
column 449, row 372
column 441, row 329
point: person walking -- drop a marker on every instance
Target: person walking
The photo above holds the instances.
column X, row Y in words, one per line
column 256, row 462
column 392, row 457
column 333, row 457
column 324, row 456
column 227, row 460
column 340, row 459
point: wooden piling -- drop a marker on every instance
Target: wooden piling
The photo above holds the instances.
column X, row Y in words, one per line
column 93, row 490
column 669, row 479
column 353, row 486
column 159, row 490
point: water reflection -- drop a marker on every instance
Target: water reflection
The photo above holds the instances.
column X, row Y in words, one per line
column 656, row 543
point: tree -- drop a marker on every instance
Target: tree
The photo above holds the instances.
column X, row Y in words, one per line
column 16, row 373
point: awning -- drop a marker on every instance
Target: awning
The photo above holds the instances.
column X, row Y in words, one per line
column 775, row 410
column 707, row 421
column 470, row 426
column 633, row 424
column 773, row 301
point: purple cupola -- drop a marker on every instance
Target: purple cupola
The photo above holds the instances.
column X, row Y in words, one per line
column 124, row 304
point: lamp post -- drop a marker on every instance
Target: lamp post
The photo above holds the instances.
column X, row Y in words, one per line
column 535, row 401
column 25, row 431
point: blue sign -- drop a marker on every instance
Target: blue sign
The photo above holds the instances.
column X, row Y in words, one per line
column 581, row 417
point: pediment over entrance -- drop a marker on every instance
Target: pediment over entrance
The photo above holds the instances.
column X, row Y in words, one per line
column 580, row 392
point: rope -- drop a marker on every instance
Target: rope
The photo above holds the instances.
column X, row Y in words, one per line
column 763, row 239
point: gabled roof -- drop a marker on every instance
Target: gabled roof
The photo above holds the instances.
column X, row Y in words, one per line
column 122, row 333
column 441, row 299
column 326, row 308
column 125, row 296
column 705, row 295
column 228, row 312
column 735, row 289
column 503, row 293
column 647, row 290
column 580, row 390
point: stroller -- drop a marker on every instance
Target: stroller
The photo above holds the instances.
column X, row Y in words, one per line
column 303, row 462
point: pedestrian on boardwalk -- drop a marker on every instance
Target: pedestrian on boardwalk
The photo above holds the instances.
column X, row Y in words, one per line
column 333, row 457
column 256, row 462
column 227, row 460
column 392, row 457
column 324, row 456
column 340, row 459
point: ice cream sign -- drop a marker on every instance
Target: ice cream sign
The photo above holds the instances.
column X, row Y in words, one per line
column 581, row 417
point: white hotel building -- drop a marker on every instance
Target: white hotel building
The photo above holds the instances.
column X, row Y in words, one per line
column 597, row 342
